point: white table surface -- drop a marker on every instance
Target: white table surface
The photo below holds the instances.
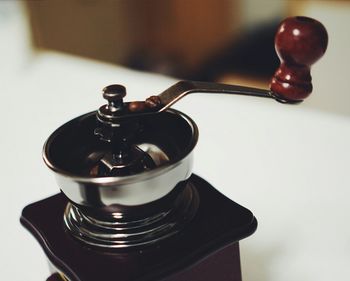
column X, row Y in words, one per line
column 288, row 164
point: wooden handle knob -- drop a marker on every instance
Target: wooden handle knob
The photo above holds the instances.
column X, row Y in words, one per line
column 299, row 43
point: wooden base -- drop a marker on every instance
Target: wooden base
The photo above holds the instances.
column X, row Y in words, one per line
column 222, row 266
column 205, row 250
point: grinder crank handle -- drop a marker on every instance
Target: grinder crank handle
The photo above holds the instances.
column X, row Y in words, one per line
column 299, row 43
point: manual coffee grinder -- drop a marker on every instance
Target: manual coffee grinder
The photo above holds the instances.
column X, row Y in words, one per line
column 130, row 208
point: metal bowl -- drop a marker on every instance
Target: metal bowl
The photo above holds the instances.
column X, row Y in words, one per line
column 168, row 137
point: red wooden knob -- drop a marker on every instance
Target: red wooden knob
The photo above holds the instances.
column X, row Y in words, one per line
column 299, row 43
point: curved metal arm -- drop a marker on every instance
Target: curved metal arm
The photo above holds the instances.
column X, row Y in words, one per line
column 166, row 99
column 182, row 88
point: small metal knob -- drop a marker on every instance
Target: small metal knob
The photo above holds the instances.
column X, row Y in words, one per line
column 114, row 94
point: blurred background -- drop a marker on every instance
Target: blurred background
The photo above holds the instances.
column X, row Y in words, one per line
column 223, row 40
column 185, row 39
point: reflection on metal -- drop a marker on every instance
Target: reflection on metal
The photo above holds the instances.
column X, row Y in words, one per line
column 122, row 231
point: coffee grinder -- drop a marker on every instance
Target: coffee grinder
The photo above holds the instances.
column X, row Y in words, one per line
column 130, row 208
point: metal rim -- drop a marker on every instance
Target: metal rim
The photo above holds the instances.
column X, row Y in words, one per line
column 125, row 179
